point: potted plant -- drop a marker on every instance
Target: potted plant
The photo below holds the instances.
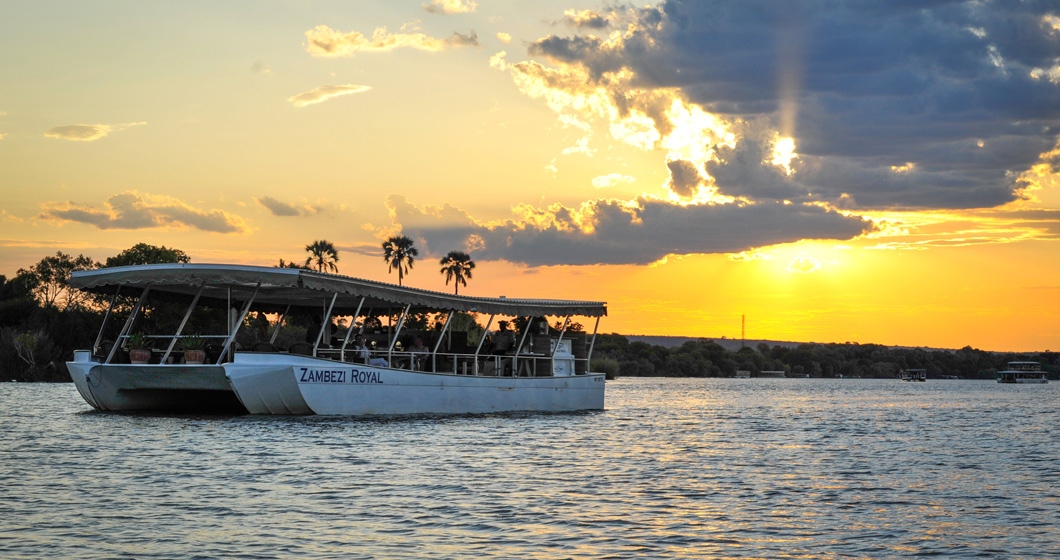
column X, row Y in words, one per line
column 139, row 348
column 194, row 349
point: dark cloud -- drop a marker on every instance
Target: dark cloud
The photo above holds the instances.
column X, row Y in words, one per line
column 130, row 210
column 278, row 208
column 616, row 232
column 684, row 177
column 891, row 104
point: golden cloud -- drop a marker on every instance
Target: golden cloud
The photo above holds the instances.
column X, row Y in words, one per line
column 327, row 42
column 323, row 93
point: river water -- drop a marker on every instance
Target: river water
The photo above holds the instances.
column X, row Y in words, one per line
column 673, row 468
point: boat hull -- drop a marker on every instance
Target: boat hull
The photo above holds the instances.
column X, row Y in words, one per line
column 270, row 384
column 168, row 388
column 289, row 384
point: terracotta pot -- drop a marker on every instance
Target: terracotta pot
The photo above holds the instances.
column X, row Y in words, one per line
column 139, row 355
column 194, row 356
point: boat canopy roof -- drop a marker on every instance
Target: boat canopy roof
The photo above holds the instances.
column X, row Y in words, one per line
column 306, row 288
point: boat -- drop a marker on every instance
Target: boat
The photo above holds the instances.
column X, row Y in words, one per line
column 913, row 375
column 1022, row 372
column 547, row 371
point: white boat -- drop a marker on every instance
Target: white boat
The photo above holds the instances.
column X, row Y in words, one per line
column 913, row 375
column 1022, row 372
column 548, row 373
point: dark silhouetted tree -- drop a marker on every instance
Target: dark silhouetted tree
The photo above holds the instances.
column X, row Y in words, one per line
column 457, row 266
column 399, row 254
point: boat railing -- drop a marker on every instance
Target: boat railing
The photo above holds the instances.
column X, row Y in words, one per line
column 459, row 363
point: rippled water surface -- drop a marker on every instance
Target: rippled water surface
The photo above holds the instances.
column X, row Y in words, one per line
column 715, row 468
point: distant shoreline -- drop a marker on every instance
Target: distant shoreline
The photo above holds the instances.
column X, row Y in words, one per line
column 734, row 344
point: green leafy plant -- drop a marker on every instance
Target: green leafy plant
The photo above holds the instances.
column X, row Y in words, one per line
column 138, row 341
column 193, row 342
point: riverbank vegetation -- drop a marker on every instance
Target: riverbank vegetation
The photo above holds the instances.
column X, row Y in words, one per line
column 706, row 358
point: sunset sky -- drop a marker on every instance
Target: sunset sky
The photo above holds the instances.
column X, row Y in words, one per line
column 836, row 171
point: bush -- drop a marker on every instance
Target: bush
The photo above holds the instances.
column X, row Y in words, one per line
column 607, row 366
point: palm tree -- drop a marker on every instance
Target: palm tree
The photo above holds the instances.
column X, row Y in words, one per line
column 322, row 255
column 457, row 266
column 398, row 253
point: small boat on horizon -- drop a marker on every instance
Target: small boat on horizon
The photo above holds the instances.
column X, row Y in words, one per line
column 541, row 369
column 1022, row 372
column 913, row 375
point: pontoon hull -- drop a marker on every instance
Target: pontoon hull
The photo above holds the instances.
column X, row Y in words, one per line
column 269, row 384
column 175, row 388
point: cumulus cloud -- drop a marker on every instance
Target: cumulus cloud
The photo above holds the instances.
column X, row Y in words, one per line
column 612, row 179
column 684, row 177
column 132, row 210
column 450, row 7
column 641, row 231
column 327, row 42
column 504, row 37
column 85, row 132
column 804, row 265
column 880, row 105
column 323, row 93
column 586, row 19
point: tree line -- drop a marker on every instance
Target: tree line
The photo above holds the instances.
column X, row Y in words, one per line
column 706, row 358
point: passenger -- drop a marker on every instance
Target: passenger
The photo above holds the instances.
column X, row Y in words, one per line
column 360, row 347
column 419, row 353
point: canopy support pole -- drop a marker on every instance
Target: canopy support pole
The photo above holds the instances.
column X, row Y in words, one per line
column 592, row 342
column 129, row 323
column 349, row 331
column 279, row 323
column 99, row 337
column 437, row 345
column 239, row 323
column 481, row 340
column 183, row 322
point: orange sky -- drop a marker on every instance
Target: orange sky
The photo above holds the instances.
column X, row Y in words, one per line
column 687, row 162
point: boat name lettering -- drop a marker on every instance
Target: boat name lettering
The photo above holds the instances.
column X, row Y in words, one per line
column 323, row 375
column 313, row 375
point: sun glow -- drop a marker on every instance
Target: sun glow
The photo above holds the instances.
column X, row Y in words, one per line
column 783, row 153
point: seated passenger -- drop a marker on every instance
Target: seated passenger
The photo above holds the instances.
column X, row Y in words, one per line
column 360, row 348
column 419, row 353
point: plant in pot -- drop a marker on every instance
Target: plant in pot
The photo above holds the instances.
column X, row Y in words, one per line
column 139, row 348
column 194, row 349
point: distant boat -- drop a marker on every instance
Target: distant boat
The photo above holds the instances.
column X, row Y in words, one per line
column 1022, row 372
column 913, row 375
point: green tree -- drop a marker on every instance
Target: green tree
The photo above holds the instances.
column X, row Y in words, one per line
column 49, row 280
column 457, row 266
column 322, row 256
column 399, row 254
column 142, row 253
